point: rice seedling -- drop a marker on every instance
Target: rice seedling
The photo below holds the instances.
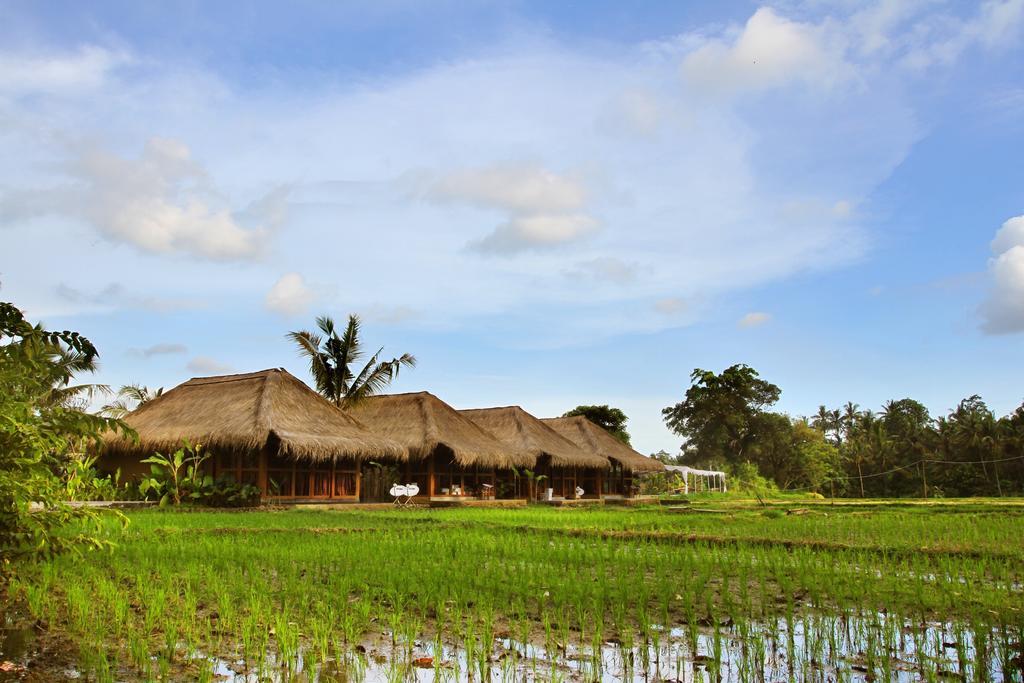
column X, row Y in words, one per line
column 502, row 594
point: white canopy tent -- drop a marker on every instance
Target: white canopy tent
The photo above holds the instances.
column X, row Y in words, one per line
column 703, row 480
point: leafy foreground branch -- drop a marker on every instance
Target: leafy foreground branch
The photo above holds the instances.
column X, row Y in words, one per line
column 38, row 436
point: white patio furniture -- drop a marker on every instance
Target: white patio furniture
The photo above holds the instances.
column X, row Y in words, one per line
column 406, row 492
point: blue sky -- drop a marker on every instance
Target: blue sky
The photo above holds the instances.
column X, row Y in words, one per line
column 548, row 203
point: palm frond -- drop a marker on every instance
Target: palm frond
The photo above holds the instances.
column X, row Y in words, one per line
column 115, row 409
column 309, row 346
column 350, row 349
column 77, row 396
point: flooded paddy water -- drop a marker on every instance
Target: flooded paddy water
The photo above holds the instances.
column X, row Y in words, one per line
column 820, row 648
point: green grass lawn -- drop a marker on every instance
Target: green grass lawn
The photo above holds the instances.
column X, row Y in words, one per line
column 725, row 588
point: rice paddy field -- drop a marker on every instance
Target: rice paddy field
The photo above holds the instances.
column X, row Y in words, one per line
column 702, row 592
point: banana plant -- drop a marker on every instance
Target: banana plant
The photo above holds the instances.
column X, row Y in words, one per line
column 177, row 475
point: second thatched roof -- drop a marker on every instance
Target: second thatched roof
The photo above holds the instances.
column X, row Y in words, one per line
column 422, row 422
column 247, row 412
column 523, row 431
column 591, row 437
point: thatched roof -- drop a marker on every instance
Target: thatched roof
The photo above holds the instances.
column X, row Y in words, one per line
column 422, row 422
column 523, row 431
column 593, row 438
column 245, row 413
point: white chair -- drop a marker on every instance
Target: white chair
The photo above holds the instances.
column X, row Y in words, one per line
column 399, row 491
column 407, row 491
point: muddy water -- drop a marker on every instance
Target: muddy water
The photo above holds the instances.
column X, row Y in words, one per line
column 16, row 640
column 812, row 648
column 16, row 649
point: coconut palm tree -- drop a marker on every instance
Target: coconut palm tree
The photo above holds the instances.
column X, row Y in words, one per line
column 129, row 398
column 331, row 356
column 65, row 364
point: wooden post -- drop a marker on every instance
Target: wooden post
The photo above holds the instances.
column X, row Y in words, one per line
column 430, row 477
column 359, row 478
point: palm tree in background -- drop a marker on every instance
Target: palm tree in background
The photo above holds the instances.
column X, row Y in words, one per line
column 68, row 362
column 851, row 411
column 331, row 356
column 828, row 421
column 130, row 397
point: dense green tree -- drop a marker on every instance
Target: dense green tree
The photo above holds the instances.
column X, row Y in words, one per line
column 332, row 355
column 899, row 451
column 794, row 454
column 39, row 433
column 721, row 414
column 610, row 419
column 911, row 438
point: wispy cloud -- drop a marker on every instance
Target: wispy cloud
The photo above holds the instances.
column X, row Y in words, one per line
column 754, row 319
column 204, row 365
column 166, row 349
column 118, row 296
column 606, row 269
column 72, row 72
column 671, row 306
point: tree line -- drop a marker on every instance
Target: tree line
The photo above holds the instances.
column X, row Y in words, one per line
column 899, row 450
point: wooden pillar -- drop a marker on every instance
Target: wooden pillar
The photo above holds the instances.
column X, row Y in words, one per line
column 430, row 477
column 359, row 478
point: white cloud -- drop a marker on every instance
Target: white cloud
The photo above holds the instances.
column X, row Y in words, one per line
column 536, row 231
column 204, row 365
column 544, row 208
column 117, row 296
column 770, row 51
column 159, row 350
column 519, row 188
column 1003, row 311
column 85, row 69
column 754, row 319
column 161, row 203
column 290, row 295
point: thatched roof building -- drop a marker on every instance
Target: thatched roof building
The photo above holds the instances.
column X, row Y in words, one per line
column 521, row 430
column 423, row 423
column 247, row 413
column 594, row 439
